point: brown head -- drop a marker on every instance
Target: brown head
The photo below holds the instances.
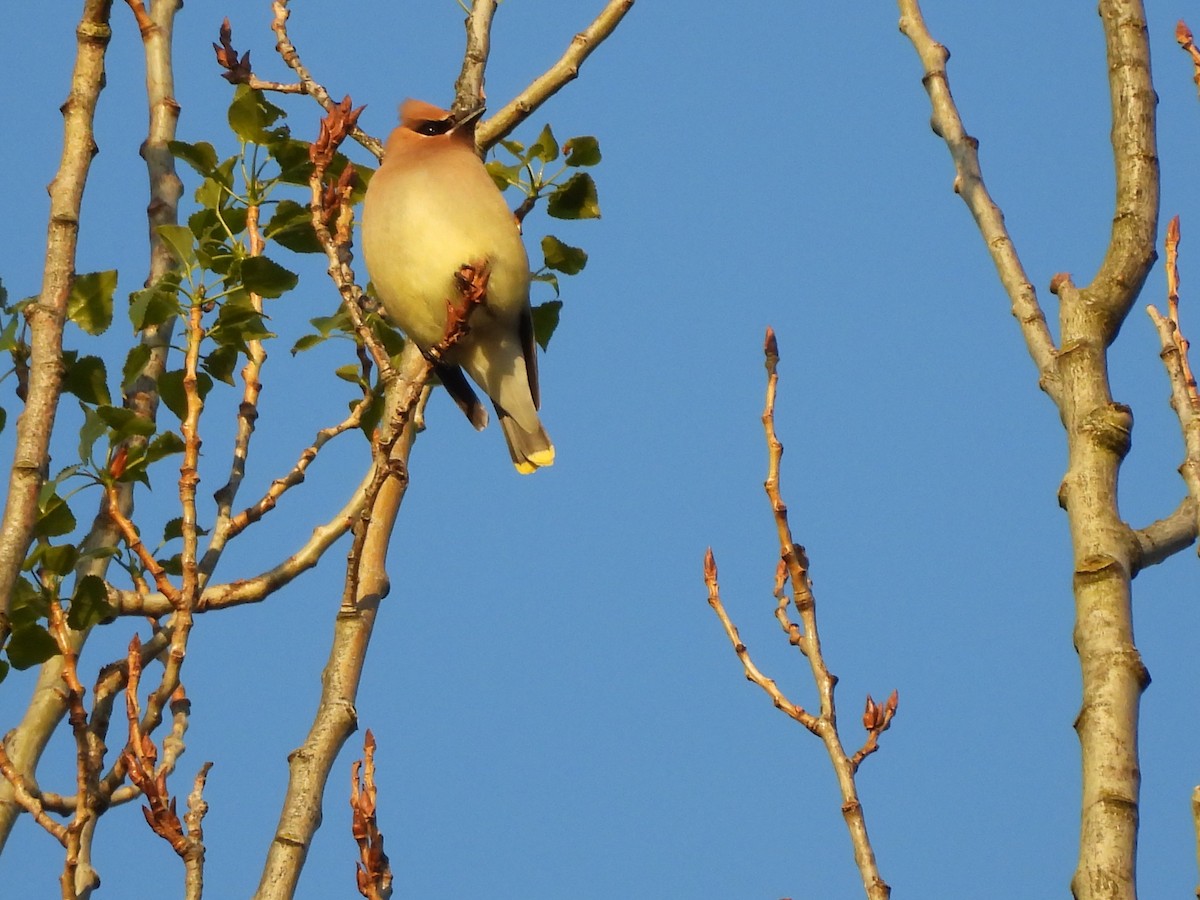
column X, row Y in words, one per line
column 425, row 128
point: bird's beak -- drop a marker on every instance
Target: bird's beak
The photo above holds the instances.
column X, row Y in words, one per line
column 467, row 118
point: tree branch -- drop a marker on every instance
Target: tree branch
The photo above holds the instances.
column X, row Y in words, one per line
column 1105, row 550
column 1184, row 398
column 468, row 89
column 46, row 707
column 310, row 765
column 48, row 315
column 545, row 86
column 793, row 567
column 968, row 184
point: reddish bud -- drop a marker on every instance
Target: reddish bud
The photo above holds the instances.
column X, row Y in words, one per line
column 116, row 468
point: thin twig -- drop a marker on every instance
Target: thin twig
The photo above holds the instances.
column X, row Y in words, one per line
column 141, row 761
column 793, row 567
column 807, row 719
column 78, row 876
column 968, row 184
column 247, row 416
column 545, row 86
column 1183, row 36
column 373, row 872
column 1184, row 398
column 288, row 53
column 30, row 798
column 257, row 587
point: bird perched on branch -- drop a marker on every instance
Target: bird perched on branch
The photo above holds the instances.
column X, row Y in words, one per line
column 432, row 213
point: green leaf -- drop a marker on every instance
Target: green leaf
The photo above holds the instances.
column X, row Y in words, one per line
column 220, row 363
column 124, row 423
column 58, row 560
column 237, row 324
column 8, row 335
column 212, row 194
column 516, row 148
column 170, row 389
column 327, row 325
column 28, row 604
column 392, row 340
column 545, row 320
column 266, row 277
column 173, row 529
column 4, row 667
column 548, row 278
column 90, row 305
column 3, row 418
column 200, row 156
column 87, row 379
column 91, row 431
column 582, row 151
column 545, row 147
column 294, row 165
column 54, row 518
column 351, row 373
column 135, row 362
column 155, row 305
column 308, row 342
column 180, row 241
column 504, row 176
column 174, row 565
column 30, row 646
column 206, row 224
column 250, row 116
column 373, row 415
column 90, row 604
column 165, row 444
column 563, row 257
column 291, row 226
column 575, row 199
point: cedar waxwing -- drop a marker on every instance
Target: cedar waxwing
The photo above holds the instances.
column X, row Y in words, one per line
column 431, row 208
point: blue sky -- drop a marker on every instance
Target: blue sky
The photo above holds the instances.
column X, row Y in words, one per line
column 557, row 710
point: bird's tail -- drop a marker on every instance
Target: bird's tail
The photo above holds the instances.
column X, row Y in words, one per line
column 530, row 450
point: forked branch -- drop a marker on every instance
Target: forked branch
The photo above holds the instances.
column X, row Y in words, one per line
column 1184, row 397
column 793, row 568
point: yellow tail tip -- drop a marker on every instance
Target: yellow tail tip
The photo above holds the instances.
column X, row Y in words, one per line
column 539, row 459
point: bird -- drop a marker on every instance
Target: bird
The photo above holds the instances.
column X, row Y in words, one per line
column 430, row 210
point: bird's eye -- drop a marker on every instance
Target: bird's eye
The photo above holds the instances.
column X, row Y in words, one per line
column 434, row 127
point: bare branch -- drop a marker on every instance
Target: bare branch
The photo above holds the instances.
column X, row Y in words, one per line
column 247, row 416
column 47, row 316
column 1131, row 247
column 1163, row 539
column 793, row 567
column 1184, row 398
column 287, row 51
column 807, row 719
column 549, row 83
column 968, row 184
column 1105, row 550
column 468, row 90
column 30, row 798
column 310, row 765
column 141, row 756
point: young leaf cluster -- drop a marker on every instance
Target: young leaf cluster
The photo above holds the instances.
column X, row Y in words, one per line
column 569, row 194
